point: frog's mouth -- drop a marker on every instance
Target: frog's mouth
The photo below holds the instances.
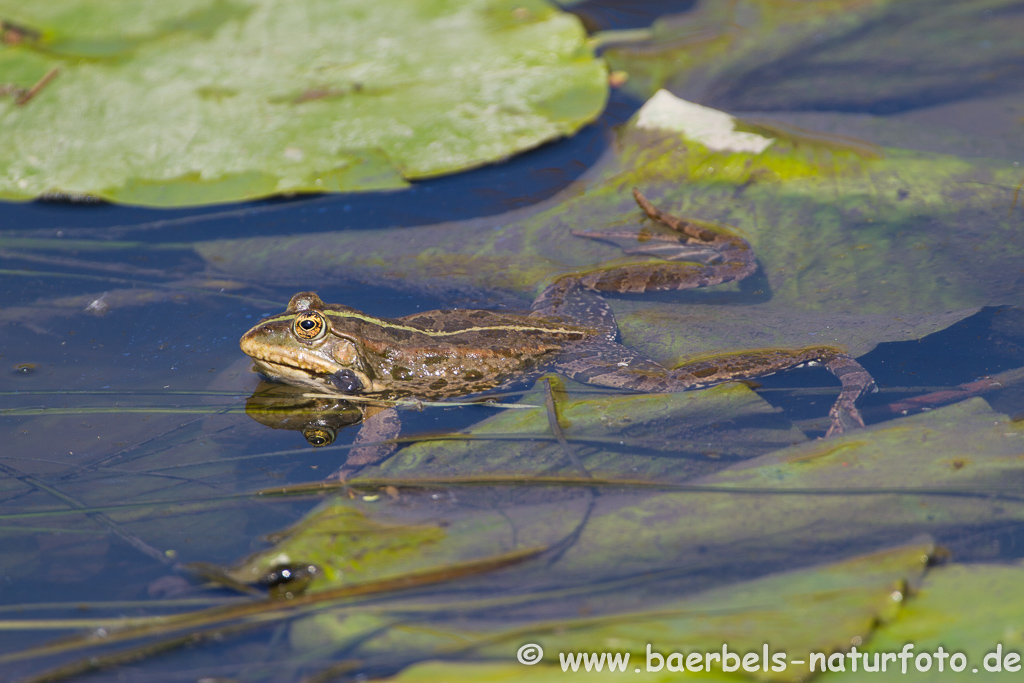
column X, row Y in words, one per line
column 344, row 381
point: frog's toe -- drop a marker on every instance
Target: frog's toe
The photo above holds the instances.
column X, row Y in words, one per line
column 675, row 251
column 844, row 418
column 667, row 247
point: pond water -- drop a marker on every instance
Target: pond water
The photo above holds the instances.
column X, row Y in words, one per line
column 137, row 469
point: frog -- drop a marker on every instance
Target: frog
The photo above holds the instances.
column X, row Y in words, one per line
column 570, row 329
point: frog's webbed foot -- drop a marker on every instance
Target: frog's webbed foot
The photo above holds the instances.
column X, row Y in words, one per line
column 856, row 382
column 694, row 254
column 379, row 425
column 667, row 247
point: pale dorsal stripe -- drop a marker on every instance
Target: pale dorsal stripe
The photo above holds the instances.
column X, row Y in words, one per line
column 431, row 333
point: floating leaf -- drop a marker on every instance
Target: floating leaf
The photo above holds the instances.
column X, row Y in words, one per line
column 820, row 609
column 169, row 104
column 970, row 609
column 340, row 542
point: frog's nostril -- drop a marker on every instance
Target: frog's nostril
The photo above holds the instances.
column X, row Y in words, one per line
column 346, row 381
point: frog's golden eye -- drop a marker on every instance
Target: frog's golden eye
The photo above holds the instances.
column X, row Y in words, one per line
column 309, row 325
column 319, row 436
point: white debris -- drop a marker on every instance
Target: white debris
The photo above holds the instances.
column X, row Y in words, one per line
column 98, row 307
column 714, row 129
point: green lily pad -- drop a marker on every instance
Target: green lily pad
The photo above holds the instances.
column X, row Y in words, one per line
column 791, row 614
column 339, row 541
column 968, row 609
column 974, row 610
column 169, row 104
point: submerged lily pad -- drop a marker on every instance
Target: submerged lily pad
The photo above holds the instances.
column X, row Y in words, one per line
column 188, row 103
column 976, row 610
column 660, row 437
column 819, row 609
column 760, row 55
column 937, row 472
column 930, row 473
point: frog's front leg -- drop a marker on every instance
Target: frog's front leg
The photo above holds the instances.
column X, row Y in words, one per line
column 380, row 425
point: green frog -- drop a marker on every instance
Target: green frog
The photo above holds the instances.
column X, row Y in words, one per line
column 334, row 348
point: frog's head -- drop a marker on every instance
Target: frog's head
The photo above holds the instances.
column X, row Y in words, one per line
column 302, row 347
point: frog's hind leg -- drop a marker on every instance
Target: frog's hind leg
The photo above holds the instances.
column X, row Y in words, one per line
column 694, row 254
column 855, row 380
column 714, row 255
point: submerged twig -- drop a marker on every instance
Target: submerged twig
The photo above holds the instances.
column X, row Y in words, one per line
column 1016, row 194
column 1009, row 493
column 416, row 403
column 135, row 654
column 114, row 231
column 953, row 394
column 27, row 96
column 556, row 429
column 98, row 517
column 174, row 286
column 68, row 262
column 118, row 410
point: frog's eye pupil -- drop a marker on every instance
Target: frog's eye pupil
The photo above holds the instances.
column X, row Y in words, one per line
column 307, row 324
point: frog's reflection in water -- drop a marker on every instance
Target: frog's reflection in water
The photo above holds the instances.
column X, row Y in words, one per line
column 321, row 416
column 318, row 418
